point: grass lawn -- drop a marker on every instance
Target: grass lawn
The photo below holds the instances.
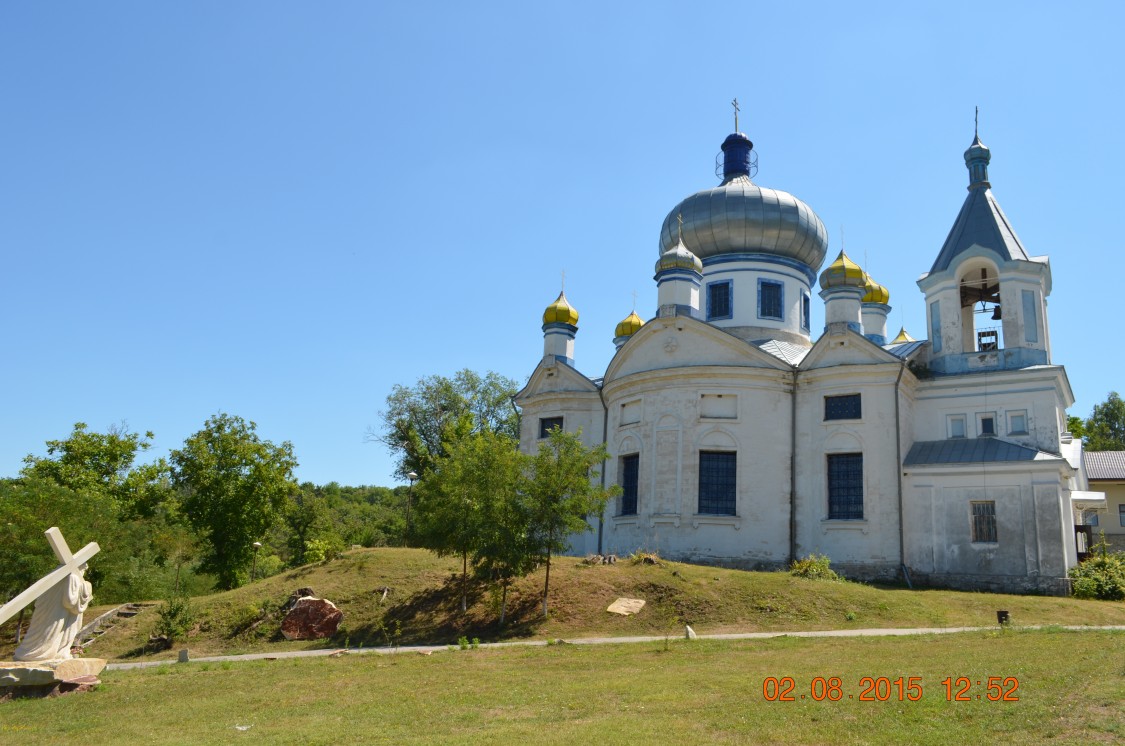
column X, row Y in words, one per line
column 1071, row 689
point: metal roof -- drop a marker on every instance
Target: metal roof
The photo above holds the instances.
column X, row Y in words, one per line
column 786, row 351
column 904, row 350
column 1105, row 465
column 981, row 221
column 971, row 451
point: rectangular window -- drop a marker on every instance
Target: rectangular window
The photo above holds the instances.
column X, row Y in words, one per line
column 986, row 425
column 547, row 424
column 984, row 522
column 1030, row 317
column 630, row 471
column 770, row 300
column 957, row 426
column 935, row 325
column 1121, row 514
column 717, row 482
column 1017, row 423
column 845, row 486
column 1090, row 517
column 806, row 316
column 845, row 407
column 720, row 304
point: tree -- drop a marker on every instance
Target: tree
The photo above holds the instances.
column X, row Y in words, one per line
column 233, row 484
column 305, row 516
column 459, row 501
column 416, row 418
column 562, row 494
column 1105, row 430
column 105, row 462
column 1076, row 426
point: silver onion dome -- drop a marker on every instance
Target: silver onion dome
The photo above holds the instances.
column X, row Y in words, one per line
column 740, row 217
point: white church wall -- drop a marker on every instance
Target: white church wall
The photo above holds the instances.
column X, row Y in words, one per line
column 865, row 546
column 1029, row 547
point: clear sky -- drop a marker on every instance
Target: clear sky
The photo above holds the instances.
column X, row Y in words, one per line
column 280, row 209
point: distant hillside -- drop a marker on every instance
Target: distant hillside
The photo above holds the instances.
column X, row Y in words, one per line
column 422, row 605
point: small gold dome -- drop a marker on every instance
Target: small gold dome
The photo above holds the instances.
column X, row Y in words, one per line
column 843, row 273
column 560, row 312
column 629, row 326
column 902, row 337
column 876, row 293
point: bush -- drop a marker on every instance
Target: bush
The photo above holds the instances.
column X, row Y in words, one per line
column 1101, row 576
column 814, row 567
column 175, row 618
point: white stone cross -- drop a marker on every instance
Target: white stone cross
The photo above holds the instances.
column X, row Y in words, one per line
column 68, row 563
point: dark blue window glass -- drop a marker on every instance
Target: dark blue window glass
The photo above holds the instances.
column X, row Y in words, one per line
column 806, row 319
column 845, row 485
column 719, row 302
column 847, row 407
column 630, row 471
column 769, row 300
column 716, row 482
column 547, row 424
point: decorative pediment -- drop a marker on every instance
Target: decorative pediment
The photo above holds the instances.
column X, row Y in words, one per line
column 681, row 342
column 843, row 346
column 554, row 377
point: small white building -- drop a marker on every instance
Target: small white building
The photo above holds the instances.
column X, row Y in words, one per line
column 739, row 438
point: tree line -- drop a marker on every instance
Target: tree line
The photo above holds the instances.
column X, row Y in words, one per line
column 222, row 506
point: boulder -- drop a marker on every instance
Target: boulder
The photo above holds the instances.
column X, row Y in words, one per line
column 311, row 619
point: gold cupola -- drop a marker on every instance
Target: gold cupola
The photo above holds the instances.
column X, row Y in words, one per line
column 560, row 312
column 875, row 293
column 843, row 273
column 902, row 337
column 629, row 326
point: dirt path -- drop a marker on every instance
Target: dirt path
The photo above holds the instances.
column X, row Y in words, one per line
column 428, row 649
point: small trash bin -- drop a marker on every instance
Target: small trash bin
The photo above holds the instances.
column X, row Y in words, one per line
column 1002, row 617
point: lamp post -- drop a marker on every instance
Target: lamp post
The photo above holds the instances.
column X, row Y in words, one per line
column 254, row 566
column 413, row 477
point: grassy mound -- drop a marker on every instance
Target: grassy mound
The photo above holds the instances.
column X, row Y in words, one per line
column 409, row 596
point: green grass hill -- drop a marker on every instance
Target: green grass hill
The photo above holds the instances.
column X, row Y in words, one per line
column 422, row 606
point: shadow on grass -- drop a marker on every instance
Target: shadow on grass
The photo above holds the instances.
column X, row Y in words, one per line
column 433, row 617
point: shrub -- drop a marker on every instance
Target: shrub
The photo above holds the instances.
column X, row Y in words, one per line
column 641, row 557
column 814, row 567
column 175, row 618
column 1100, row 576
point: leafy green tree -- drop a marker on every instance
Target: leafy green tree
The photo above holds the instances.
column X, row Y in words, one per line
column 562, row 493
column 457, row 500
column 1076, row 426
column 1105, row 430
column 233, row 484
column 416, row 418
column 105, row 462
column 305, row 518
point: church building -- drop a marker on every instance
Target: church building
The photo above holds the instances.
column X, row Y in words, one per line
column 741, row 438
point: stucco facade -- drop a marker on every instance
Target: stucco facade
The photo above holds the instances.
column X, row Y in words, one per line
column 741, row 438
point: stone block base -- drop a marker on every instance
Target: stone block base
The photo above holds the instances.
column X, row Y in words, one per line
column 44, row 678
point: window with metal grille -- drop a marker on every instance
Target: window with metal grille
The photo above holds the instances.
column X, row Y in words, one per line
column 719, row 302
column 984, row 522
column 630, row 471
column 547, row 424
column 770, row 301
column 717, row 482
column 845, row 485
column 847, row 407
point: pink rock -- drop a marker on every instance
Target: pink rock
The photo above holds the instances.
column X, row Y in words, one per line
column 311, row 619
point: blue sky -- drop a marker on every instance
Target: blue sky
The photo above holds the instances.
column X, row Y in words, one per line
column 281, row 209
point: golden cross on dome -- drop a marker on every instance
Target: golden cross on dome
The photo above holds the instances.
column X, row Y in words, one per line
column 736, row 110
